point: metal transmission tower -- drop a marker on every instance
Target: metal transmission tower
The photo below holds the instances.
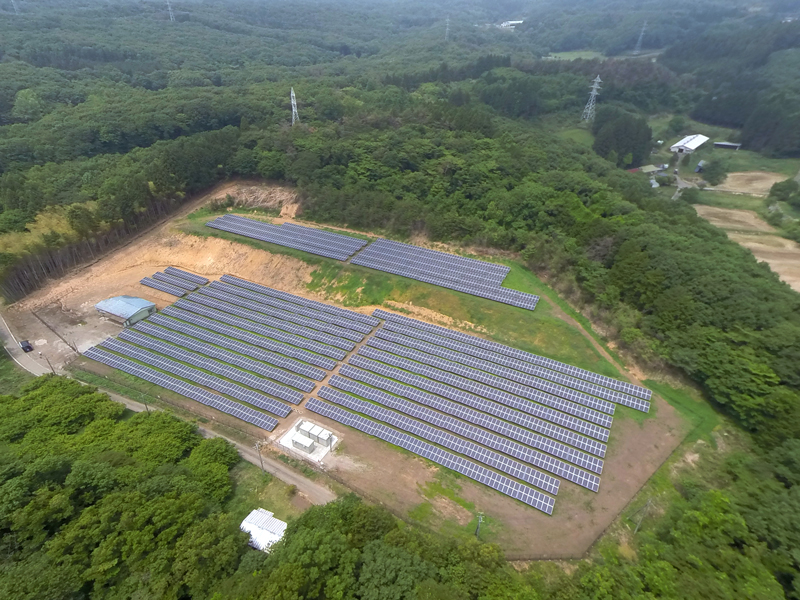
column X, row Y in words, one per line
column 447, row 29
column 638, row 49
column 295, row 116
column 591, row 105
column 14, row 4
column 171, row 14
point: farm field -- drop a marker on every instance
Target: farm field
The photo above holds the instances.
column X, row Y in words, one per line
column 428, row 494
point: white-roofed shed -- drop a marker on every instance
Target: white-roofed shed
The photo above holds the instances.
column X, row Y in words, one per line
column 264, row 529
column 689, row 144
column 128, row 309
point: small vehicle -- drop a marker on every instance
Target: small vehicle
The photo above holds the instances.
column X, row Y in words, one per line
column 675, row 171
column 26, row 346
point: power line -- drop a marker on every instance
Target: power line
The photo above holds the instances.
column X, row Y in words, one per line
column 591, row 105
column 295, row 116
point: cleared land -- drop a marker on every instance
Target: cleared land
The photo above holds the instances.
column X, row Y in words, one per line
column 733, row 219
column 408, row 485
column 782, row 255
column 756, row 183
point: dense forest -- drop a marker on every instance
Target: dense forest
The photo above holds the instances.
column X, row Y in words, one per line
column 111, row 115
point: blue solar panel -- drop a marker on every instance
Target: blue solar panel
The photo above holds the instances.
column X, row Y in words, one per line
column 183, row 388
column 501, row 483
column 186, row 275
column 162, row 287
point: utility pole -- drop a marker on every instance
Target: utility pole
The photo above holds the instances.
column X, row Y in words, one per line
column 171, row 14
column 14, row 4
column 638, row 49
column 478, row 529
column 447, row 30
column 591, row 105
column 261, row 460
column 295, row 116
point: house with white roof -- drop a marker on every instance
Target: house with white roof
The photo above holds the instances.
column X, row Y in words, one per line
column 264, row 529
column 689, row 144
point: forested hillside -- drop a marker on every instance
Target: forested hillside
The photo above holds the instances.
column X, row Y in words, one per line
column 111, row 116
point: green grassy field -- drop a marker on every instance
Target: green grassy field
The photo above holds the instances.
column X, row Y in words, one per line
column 255, row 489
column 579, row 135
column 728, row 200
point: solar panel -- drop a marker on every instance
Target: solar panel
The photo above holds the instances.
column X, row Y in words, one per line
column 609, row 382
column 334, row 310
column 278, row 238
column 282, row 315
column 245, row 362
column 469, row 412
column 215, row 383
column 213, row 366
column 501, row 483
column 302, row 335
column 251, row 338
column 289, row 307
column 223, row 341
column 498, row 294
column 487, row 358
column 502, row 444
column 493, row 405
column 186, row 275
column 442, row 438
column 486, row 391
column 183, row 388
column 485, row 372
column 176, row 281
column 221, row 313
column 163, row 287
column 310, row 235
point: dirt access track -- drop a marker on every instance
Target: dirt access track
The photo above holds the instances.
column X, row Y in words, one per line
column 407, row 485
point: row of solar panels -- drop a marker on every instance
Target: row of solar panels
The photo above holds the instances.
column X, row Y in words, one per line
column 498, row 353
column 183, row 388
column 416, row 263
column 174, row 281
column 437, row 455
column 314, row 241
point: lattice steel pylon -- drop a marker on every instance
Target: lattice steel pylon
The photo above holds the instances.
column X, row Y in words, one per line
column 295, row 116
column 638, row 49
column 591, row 105
column 171, row 14
column 447, row 29
column 14, row 4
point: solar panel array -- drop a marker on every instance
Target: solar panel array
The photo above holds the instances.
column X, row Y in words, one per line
column 302, row 302
column 253, row 350
column 314, row 241
column 186, row 275
column 489, row 361
column 183, row 388
column 197, row 376
column 222, row 294
column 246, row 362
column 213, row 366
column 250, row 338
column 495, row 348
column 512, row 448
column 491, row 393
column 164, row 287
column 299, row 335
column 461, row 465
column 442, row 438
column 466, row 275
column 176, row 281
column 473, row 410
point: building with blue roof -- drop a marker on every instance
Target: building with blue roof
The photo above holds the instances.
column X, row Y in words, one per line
column 128, row 309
